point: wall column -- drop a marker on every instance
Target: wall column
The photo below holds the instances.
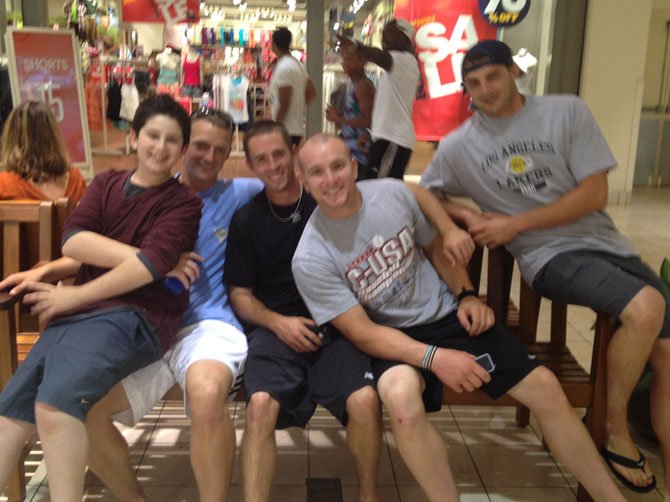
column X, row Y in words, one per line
column 615, row 48
column 35, row 12
column 315, row 20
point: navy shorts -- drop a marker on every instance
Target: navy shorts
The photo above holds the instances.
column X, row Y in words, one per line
column 77, row 360
column 512, row 360
column 602, row 281
column 300, row 381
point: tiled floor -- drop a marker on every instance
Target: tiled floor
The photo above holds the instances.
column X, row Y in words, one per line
column 491, row 457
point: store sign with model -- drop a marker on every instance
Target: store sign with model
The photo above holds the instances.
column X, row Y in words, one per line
column 445, row 30
column 44, row 66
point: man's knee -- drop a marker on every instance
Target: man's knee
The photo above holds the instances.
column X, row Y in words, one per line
column 262, row 411
column 363, row 403
column 645, row 312
column 207, row 388
column 208, row 401
column 542, row 380
column 540, row 388
column 50, row 419
column 400, row 391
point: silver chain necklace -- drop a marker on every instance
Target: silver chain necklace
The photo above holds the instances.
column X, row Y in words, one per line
column 294, row 217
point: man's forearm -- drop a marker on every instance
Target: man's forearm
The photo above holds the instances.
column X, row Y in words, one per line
column 283, row 102
column 458, row 212
column 97, row 250
column 589, row 196
column 456, row 277
column 60, row 269
column 375, row 55
column 379, row 341
column 129, row 275
column 251, row 309
column 281, row 113
column 432, row 208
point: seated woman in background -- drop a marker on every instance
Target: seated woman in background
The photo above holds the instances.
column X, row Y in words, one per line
column 33, row 160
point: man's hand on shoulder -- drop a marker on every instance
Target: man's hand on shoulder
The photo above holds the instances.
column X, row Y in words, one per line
column 474, row 315
column 295, row 332
column 458, row 370
column 494, row 230
column 49, row 301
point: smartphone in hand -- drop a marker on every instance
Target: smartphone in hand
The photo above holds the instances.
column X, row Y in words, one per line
column 486, row 362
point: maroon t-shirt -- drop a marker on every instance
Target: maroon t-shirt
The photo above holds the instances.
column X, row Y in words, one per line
column 161, row 221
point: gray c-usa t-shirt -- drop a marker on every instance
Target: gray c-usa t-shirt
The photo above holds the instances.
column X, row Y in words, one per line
column 530, row 159
column 372, row 258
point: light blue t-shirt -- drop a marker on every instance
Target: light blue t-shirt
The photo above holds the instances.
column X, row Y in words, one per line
column 208, row 295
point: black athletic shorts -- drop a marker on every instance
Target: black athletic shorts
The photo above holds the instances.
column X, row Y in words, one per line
column 300, row 381
column 512, row 360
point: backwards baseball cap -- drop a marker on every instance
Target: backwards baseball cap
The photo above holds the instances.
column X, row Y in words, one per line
column 406, row 28
column 484, row 53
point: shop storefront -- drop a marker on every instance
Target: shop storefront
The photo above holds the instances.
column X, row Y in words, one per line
column 224, row 49
column 126, row 42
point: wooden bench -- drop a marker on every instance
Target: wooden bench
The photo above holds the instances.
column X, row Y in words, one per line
column 30, row 235
column 583, row 389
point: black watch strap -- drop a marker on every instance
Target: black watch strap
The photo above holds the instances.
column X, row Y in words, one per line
column 466, row 292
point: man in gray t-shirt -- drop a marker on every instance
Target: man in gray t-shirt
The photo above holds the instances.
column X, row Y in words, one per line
column 537, row 167
column 369, row 263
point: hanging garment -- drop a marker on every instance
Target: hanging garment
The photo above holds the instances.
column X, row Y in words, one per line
column 113, row 100
column 130, row 100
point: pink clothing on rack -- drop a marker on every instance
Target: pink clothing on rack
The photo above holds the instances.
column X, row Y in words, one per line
column 192, row 72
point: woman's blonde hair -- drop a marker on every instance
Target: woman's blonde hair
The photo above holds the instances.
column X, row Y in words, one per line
column 32, row 145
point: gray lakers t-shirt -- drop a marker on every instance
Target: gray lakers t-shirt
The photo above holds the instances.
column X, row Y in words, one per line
column 372, row 258
column 530, row 159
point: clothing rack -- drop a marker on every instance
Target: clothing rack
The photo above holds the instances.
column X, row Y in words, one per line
column 100, row 71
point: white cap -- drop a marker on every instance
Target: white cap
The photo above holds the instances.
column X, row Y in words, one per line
column 406, row 27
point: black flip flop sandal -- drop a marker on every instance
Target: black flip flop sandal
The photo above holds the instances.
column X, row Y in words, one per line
column 614, row 458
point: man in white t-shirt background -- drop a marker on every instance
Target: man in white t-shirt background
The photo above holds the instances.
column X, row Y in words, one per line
column 291, row 89
column 392, row 128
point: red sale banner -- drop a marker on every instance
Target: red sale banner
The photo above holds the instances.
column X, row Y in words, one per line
column 445, row 29
column 161, row 11
column 44, row 66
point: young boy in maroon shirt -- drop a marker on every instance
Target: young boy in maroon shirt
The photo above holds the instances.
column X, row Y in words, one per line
column 128, row 231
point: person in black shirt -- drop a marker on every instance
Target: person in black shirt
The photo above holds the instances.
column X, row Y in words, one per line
column 292, row 364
